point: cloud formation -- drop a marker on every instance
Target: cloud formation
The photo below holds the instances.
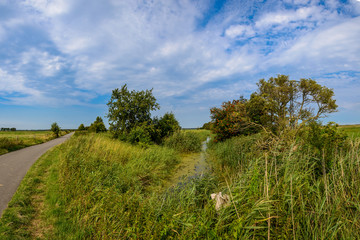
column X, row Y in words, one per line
column 186, row 50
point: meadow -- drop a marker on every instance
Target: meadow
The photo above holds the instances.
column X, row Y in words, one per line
column 15, row 140
column 352, row 130
column 95, row 187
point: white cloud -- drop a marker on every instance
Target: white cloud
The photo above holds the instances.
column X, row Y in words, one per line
column 334, row 48
column 49, row 8
column 283, row 18
column 10, row 83
column 48, row 64
column 239, row 30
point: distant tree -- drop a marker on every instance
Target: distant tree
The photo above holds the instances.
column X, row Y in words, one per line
column 128, row 109
column 13, row 129
column 55, row 129
column 98, row 126
column 207, row 126
column 81, row 127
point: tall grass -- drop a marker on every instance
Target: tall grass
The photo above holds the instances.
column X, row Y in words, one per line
column 100, row 188
column 279, row 193
column 187, row 141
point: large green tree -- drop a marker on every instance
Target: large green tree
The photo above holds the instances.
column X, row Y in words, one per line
column 279, row 106
column 128, row 109
column 281, row 103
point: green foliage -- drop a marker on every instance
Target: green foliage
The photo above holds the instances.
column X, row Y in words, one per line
column 324, row 142
column 184, row 141
column 129, row 109
column 55, row 129
column 231, row 120
column 97, row 126
column 280, row 106
column 140, row 135
column 280, row 103
column 207, row 126
column 164, row 127
column 279, row 193
column 81, row 127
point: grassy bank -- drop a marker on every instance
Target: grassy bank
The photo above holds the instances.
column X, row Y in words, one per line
column 280, row 193
column 93, row 187
column 11, row 141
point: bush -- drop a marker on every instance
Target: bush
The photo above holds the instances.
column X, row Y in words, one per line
column 231, row 120
column 140, row 135
column 323, row 142
column 184, row 142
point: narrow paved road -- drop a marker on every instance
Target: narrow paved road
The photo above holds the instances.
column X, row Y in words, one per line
column 14, row 165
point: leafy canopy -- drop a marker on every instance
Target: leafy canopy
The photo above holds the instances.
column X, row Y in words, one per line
column 278, row 106
column 128, row 109
column 55, row 129
column 98, row 125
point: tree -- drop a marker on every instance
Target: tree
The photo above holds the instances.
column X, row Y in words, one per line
column 55, row 129
column 168, row 125
column 128, row 109
column 281, row 104
column 98, row 126
column 81, row 127
column 231, row 119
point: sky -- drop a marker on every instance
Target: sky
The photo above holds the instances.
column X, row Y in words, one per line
column 61, row 59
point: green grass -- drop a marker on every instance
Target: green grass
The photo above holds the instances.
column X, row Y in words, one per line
column 11, row 141
column 187, row 141
column 93, row 187
column 352, row 130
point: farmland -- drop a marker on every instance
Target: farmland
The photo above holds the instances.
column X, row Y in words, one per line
column 15, row 140
column 352, row 130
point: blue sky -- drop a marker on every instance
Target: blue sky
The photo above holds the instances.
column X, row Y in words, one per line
column 60, row 59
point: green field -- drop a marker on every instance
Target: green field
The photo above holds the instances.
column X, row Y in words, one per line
column 352, row 130
column 11, row 141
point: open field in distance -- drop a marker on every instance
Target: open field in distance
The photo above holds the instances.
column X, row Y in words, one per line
column 15, row 140
column 352, row 130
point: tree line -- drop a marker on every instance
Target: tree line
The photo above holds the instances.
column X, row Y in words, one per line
column 8, row 129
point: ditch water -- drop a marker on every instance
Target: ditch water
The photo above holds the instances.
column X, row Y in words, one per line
column 202, row 166
column 192, row 166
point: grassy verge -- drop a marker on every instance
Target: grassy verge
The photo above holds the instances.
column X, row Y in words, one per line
column 12, row 141
column 24, row 219
column 92, row 187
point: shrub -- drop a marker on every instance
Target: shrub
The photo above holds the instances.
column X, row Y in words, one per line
column 184, row 141
column 140, row 135
column 231, row 120
column 323, row 142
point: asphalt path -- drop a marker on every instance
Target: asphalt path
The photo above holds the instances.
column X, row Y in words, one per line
column 14, row 166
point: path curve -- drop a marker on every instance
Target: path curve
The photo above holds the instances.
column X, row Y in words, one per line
column 14, row 166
